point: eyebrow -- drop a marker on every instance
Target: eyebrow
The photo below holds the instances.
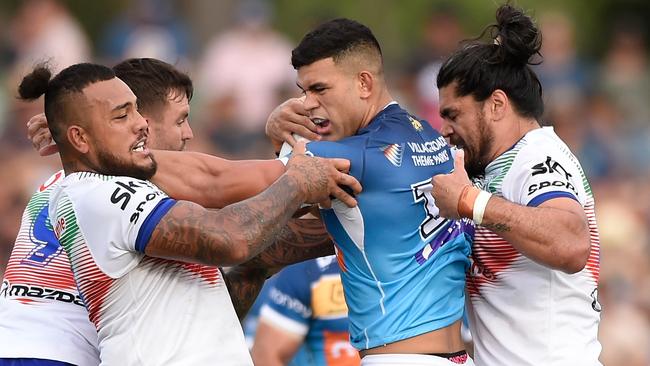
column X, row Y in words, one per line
column 446, row 112
column 122, row 106
column 318, row 85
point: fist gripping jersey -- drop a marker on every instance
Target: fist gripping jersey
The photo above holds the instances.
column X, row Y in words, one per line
column 521, row 312
column 402, row 266
column 306, row 299
column 41, row 313
column 146, row 310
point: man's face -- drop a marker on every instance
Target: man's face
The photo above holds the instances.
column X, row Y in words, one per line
column 169, row 125
column 465, row 126
column 117, row 133
column 332, row 98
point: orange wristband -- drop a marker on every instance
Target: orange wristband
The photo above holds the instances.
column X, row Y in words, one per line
column 466, row 201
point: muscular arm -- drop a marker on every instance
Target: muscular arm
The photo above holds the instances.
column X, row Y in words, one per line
column 191, row 233
column 212, row 181
column 299, row 240
column 555, row 234
column 274, row 346
column 244, row 284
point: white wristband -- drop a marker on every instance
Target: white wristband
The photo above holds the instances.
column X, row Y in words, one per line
column 479, row 206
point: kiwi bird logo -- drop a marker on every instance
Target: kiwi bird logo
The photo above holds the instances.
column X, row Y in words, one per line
column 393, row 153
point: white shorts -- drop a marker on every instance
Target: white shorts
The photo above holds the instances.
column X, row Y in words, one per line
column 410, row 359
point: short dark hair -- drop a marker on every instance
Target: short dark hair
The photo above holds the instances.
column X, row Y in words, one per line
column 335, row 38
column 153, row 81
column 479, row 68
column 70, row 80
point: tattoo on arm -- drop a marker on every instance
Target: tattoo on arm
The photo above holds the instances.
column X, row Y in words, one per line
column 225, row 237
column 497, row 227
column 244, row 284
column 299, row 240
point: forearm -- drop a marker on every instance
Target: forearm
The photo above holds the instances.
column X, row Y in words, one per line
column 229, row 236
column 299, row 240
column 244, row 284
column 212, row 181
column 550, row 236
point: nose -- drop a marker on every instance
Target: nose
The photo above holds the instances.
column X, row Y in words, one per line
column 310, row 102
column 140, row 122
column 445, row 129
column 186, row 131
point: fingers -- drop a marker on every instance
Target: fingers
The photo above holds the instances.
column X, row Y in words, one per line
column 48, row 150
column 459, row 160
column 343, row 196
column 304, row 130
column 342, row 165
column 349, row 181
column 300, row 148
column 36, row 125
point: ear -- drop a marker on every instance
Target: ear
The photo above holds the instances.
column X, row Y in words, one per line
column 78, row 138
column 498, row 105
column 366, row 83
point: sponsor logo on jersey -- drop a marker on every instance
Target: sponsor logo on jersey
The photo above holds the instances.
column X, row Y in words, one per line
column 417, row 125
column 429, row 153
column 19, row 291
column 338, row 350
column 393, row 153
column 123, row 193
column 289, row 302
column 327, row 298
column 551, row 167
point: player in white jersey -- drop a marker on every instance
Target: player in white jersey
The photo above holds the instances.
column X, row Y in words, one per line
column 144, row 262
column 534, row 277
column 243, row 281
column 39, row 298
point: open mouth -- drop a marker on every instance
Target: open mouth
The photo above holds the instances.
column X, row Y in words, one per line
column 322, row 125
column 139, row 146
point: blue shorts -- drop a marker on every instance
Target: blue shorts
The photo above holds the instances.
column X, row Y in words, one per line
column 31, row 362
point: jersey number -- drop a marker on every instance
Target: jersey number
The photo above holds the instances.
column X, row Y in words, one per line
column 433, row 221
column 47, row 247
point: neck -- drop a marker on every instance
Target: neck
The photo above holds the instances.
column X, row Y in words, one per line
column 376, row 106
column 512, row 133
column 74, row 165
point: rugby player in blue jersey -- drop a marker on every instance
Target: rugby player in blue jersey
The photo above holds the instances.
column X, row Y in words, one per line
column 402, row 266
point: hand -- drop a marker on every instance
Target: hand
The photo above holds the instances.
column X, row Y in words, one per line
column 446, row 188
column 40, row 136
column 290, row 117
column 320, row 178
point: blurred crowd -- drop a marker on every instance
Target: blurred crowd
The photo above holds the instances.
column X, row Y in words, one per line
column 600, row 107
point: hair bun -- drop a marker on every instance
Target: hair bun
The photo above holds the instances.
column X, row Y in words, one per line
column 517, row 35
column 35, row 83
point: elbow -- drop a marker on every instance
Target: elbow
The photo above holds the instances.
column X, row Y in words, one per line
column 239, row 253
column 576, row 258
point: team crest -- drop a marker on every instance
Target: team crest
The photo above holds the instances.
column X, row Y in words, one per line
column 394, row 153
column 416, row 124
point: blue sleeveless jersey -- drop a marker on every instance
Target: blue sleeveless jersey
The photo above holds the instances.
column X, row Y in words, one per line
column 402, row 266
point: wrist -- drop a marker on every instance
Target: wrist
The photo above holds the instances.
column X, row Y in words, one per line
column 472, row 203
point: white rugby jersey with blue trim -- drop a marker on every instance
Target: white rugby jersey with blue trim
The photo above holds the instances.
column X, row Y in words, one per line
column 521, row 312
column 41, row 313
column 146, row 310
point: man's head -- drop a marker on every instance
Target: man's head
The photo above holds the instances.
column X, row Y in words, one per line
column 489, row 95
column 93, row 118
column 163, row 94
column 340, row 70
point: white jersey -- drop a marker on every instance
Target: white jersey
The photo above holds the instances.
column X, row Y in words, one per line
column 41, row 313
column 146, row 310
column 521, row 312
